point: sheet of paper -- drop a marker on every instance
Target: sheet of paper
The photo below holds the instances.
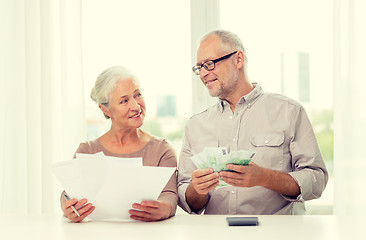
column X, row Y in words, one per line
column 111, row 184
column 67, row 172
column 86, row 154
column 93, row 169
column 127, row 185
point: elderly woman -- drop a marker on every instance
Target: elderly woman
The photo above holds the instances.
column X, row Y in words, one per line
column 118, row 95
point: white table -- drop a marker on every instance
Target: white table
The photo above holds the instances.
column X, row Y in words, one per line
column 187, row 227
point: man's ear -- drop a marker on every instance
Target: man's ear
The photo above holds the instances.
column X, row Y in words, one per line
column 104, row 110
column 240, row 59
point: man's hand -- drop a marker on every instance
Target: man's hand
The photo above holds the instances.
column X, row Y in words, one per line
column 204, row 180
column 253, row 175
column 150, row 211
column 244, row 176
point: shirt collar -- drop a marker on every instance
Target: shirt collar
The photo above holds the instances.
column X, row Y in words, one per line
column 250, row 98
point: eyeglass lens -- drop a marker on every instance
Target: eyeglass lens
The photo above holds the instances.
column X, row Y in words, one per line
column 210, row 64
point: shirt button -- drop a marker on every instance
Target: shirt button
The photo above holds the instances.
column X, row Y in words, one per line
column 234, row 139
column 231, row 117
column 266, row 141
column 232, row 192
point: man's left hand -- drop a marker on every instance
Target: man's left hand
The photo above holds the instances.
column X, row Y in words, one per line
column 244, row 176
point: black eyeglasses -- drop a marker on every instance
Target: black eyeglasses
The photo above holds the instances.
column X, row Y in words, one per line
column 210, row 64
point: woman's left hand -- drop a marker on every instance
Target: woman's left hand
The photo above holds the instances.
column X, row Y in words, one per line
column 148, row 211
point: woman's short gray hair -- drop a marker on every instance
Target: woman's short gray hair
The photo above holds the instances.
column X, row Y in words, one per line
column 106, row 83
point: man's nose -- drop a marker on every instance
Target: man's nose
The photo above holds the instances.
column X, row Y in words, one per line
column 203, row 73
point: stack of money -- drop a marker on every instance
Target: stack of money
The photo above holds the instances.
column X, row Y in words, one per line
column 217, row 158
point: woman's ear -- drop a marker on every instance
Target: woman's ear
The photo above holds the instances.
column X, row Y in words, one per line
column 104, row 110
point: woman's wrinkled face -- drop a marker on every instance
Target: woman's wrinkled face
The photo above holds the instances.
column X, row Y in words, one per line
column 126, row 106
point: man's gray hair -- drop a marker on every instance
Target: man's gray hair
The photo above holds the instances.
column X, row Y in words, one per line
column 106, row 82
column 229, row 40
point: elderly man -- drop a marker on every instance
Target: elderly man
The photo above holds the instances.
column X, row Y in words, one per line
column 287, row 168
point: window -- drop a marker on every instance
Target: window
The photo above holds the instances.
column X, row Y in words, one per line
column 142, row 39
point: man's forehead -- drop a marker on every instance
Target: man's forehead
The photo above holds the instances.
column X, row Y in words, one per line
column 208, row 50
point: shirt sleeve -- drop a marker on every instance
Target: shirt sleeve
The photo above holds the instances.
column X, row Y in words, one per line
column 308, row 168
column 185, row 169
column 84, row 147
column 169, row 193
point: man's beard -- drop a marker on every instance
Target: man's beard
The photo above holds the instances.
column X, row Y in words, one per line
column 226, row 88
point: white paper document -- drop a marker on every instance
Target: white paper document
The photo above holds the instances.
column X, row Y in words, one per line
column 111, row 184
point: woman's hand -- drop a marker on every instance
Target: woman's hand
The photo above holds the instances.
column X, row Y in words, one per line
column 83, row 209
column 150, row 211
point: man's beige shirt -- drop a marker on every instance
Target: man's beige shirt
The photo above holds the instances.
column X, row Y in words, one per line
column 278, row 130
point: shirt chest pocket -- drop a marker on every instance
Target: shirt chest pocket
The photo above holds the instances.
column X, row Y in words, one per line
column 269, row 150
column 268, row 140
